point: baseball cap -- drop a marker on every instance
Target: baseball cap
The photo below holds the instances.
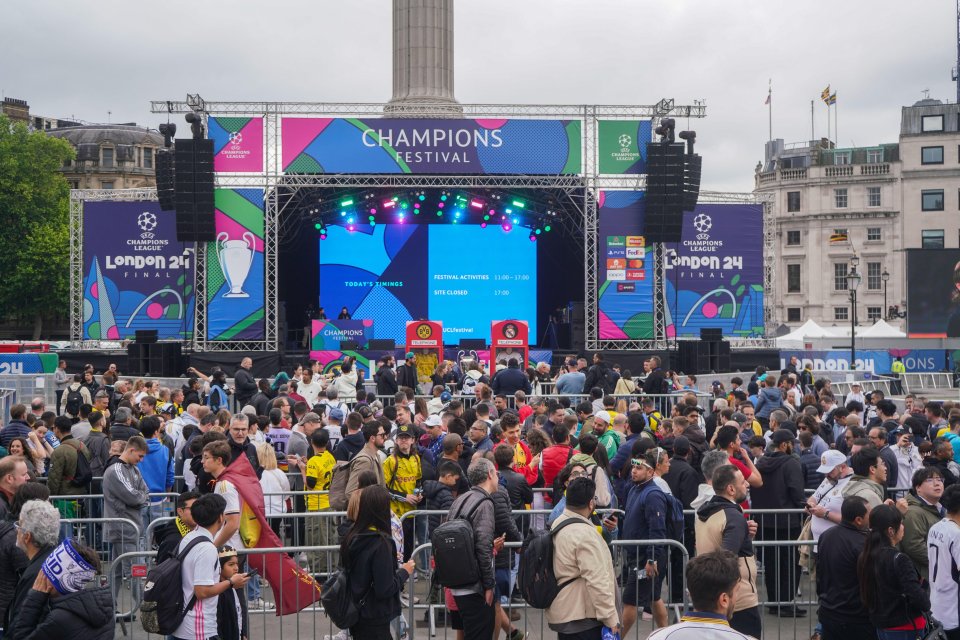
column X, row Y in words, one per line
column 432, row 421
column 782, row 435
column 854, row 384
column 335, row 414
column 404, row 430
column 830, row 460
column 740, row 417
column 409, row 355
column 446, row 396
column 603, row 416
column 166, row 408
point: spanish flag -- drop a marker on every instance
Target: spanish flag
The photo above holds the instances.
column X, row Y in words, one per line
column 838, row 237
column 293, row 588
column 825, row 94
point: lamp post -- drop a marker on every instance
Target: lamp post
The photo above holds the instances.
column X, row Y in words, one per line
column 885, row 277
column 853, row 282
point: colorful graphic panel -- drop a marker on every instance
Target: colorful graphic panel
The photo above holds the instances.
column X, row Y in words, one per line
column 326, row 335
column 237, row 144
column 622, row 146
column 137, row 274
column 878, row 361
column 18, row 363
column 625, row 273
column 714, row 276
column 373, row 145
column 235, row 269
column 933, row 293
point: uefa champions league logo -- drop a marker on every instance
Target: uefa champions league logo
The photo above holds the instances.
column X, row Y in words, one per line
column 236, row 138
column 625, row 141
column 703, row 223
column 147, row 222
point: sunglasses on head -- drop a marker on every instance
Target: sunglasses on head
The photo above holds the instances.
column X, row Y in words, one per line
column 640, row 462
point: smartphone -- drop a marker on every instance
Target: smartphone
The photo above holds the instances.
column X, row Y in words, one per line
column 252, row 573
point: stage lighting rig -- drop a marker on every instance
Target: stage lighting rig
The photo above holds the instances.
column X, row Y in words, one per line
column 690, row 137
column 666, row 130
column 196, row 124
column 168, row 131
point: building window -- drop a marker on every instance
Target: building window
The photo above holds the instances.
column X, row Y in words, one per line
column 932, row 199
column 68, row 162
column 841, row 157
column 840, row 276
column 874, row 282
column 793, row 238
column 793, row 201
column 793, row 278
column 873, row 196
column 840, row 198
column 874, row 156
column 931, row 239
column 74, row 184
column 841, row 313
column 148, row 157
column 107, row 157
column 874, row 234
column 106, row 184
column 874, row 313
column 931, row 124
column 931, row 155
column 793, row 314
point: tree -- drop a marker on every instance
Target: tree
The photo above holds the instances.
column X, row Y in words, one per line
column 34, row 225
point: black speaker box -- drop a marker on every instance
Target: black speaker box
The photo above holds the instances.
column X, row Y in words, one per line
column 166, row 193
column 146, row 336
column 349, row 345
column 711, row 333
column 194, row 190
column 381, row 344
column 473, row 343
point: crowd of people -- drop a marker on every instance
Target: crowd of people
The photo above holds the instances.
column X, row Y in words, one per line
column 860, row 484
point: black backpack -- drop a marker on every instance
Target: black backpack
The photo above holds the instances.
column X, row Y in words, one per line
column 162, row 609
column 83, row 475
column 337, row 600
column 454, row 550
column 74, row 400
column 536, row 580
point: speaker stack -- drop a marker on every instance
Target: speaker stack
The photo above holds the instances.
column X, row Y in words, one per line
column 664, row 197
column 710, row 354
column 194, row 190
column 166, row 187
column 148, row 356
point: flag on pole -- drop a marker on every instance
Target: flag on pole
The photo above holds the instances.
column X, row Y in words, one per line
column 293, row 588
column 833, row 98
column 767, row 101
column 838, row 237
column 825, row 94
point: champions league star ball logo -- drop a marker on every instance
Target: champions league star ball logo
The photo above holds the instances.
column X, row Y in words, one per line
column 236, row 138
column 703, row 223
column 625, row 141
column 147, row 222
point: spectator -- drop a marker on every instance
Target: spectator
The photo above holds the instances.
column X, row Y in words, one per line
column 908, row 459
column 841, row 611
column 63, row 465
column 123, row 427
column 476, row 601
column 889, row 582
column 12, row 563
column 505, row 530
column 878, row 436
column 367, row 459
column 353, row 442
column 274, row 483
column 782, row 489
column 555, row 457
column 404, row 473
column 240, row 445
column 923, row 511
column 168, row 536
column 244, row 383
column 98, row 443
column 826, row 502
column 156, row 467
column 59, row 607
column 713, row 594
column 200, row 571
column 570, row 382
column 809, row 461
column 231, row 621
column 720, row 525
column 386, row 377
column 480, row 436
column 74, row 395
column 869, row 477
column 38, row 530
column 369, row 554
column 125, row 495
column 510, row 380
column 711, row 460
column 317, row 473
column 17, row 427
column 582, row 561
column 944, row 556
column 13, row 475
column 609, row 439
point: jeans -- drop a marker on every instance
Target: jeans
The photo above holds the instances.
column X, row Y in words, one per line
column 478, row 616
column 320, row 532
column 910, row 634
column 596, row 633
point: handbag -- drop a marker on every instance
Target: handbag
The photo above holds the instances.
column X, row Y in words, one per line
column 933, row 629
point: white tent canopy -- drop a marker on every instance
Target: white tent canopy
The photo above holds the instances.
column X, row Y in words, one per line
column 810, row 330
column 881, row 329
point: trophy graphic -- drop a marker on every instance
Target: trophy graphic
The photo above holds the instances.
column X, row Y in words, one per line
column 235, row 258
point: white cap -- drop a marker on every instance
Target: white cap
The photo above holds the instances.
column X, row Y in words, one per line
column 432, row 421
column 830, row 460
column 603, row 416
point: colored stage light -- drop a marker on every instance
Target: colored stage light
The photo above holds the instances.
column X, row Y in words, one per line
column 537, row 232
column 439, row 213
column 317, row 226
column 370, row 218
column 422, row 197
column 350, row 227
column 346, row 203
column 493, row 212
column 546, row 228
column 374, row 210
column 440, row 204
column 516, row 221
column 518, row 204
column 507, row 226
column 509, row 210
column 533, row 237
column 456, row 214
column 402, row 218
column 350, row 220
column 343, row 213
column 404, row 205
column 483, row 225
column 461, row 198
column 389, row 203
column 476, row 204
column 486, row 217
column 443, row 198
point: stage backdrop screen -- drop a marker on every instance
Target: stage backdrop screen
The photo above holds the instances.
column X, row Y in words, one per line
column 136, row 274
column 933, row 293
column 461, row 275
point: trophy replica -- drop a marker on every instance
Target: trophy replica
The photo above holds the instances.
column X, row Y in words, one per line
column 235, row 256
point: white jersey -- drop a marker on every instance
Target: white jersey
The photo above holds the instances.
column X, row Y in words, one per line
column 697, row 625
column 943, row 553
column 831, row 500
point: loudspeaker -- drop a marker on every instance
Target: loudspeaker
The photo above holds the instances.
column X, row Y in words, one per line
column 194, row 191
column 163, row 359
column 711, row 334
column 166, row 193
column 137, row 356
column 473, row 344
column 382, row 344
column 349, row 345
column 692, row 167
column 664, row 195
column 146, row 336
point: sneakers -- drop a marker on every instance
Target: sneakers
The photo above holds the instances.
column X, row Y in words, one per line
column 260, row 603
column 517, row 634
column 405, row 600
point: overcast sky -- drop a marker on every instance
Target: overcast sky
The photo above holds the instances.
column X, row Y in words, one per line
column 83, row 59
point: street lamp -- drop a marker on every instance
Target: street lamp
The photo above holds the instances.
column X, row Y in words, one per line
column 885, row 276
column 853, row 282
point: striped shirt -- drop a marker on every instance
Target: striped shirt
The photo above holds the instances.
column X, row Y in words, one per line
column 699, row 625
column 200, row 567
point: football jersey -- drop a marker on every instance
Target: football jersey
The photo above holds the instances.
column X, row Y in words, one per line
column 943, row 553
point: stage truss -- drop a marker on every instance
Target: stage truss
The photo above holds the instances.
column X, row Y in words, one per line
column 581, row 188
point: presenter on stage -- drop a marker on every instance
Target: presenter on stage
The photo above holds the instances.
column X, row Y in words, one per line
column 344, row 314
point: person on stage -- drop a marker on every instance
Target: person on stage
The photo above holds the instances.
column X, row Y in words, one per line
column 344, row 314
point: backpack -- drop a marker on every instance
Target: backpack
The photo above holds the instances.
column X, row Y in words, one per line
column 609, row 381
column 83, row 475
column 453, row 550
column 469, row 384
column 674, row 515
column 339, row 479
column 162, row 608
column 536, row 580
column 337, row 600
column 74, row 400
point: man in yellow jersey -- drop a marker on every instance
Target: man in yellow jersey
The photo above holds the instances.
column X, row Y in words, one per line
column 524, row 462
column 403, row 474
column 317, row 472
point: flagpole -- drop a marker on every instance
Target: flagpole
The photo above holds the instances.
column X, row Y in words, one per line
column 770, row 106
column 813, row 133
column 829, row 138
column 836, row 123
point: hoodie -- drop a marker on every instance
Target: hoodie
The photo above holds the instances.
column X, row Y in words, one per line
column 704, row 494
column 86, row 614
column 375, row 579
column 349, row 447
column 768, row 401
column 720, row 525
column 782, row 487
column 157, row 468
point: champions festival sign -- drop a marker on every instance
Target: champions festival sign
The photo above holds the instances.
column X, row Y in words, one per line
column 136, row 274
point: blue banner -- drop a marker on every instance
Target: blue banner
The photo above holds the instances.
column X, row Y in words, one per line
column 878, row 361
column 17, row 363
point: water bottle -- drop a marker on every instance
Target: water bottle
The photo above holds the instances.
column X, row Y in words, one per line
column 609, row 634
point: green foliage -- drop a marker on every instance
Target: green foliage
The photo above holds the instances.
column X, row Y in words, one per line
column 34, row 223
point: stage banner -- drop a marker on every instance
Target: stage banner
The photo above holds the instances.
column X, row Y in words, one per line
column 235, row 269
column 625, row 273
column 714, row 276
column 237, row 144
column 622, row 146
column 385, row 145
column 326, row 335
column 877, row 361
column 365, row 361
column 18, row 363
column 933, row 293
column 138, row 275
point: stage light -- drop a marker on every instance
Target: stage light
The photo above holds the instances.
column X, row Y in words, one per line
column 350, row 228
column 350, row 220
column 533, row 237
column 509, row 211
column 443, row 198
column 346, row 203
column 486, row 218
column 317, row 226
column 516, row 221
column 389, row 203
column 374, row 210
column 507, row 226
column 404, row 205
column 343, row 214
column 518, row 204
column 493, row 212
column 456, row 214
column 476, row 204
column 439, row 213
column 537, row 231
column 460, row 198
column 422, row 197
column 402, row 218
column 483, row 225
column 440, row 205
column 370, row 218
column 547, row 228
